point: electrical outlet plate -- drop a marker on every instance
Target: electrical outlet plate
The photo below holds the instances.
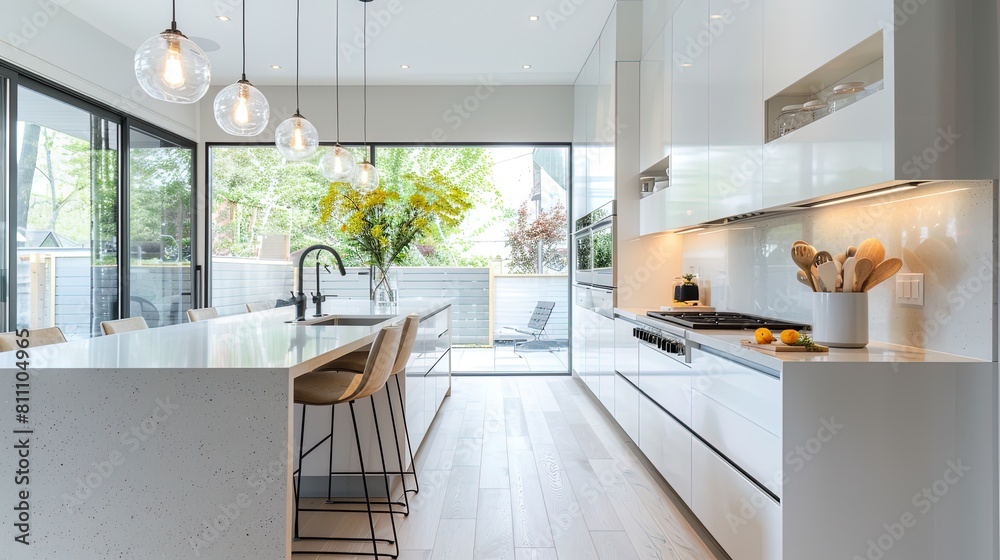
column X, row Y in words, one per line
column 910, row 289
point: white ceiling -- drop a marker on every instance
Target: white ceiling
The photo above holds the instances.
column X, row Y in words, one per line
column 443, row 41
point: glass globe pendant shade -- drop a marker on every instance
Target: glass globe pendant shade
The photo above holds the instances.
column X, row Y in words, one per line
column 170, row 67
column 296, row 138
column 242, row 110
column 367, row 178
column 338, row 165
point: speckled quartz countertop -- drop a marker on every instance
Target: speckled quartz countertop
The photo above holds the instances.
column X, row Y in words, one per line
column 263, row 340
column 728, row 341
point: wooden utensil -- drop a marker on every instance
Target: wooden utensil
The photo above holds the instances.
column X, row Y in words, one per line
column 822, row 257
column 862, row 269
column 882, row 272
column 872, row 250
column 803, row 257
column 840, row 257
column 913, row 262
column 852, row 251
column 849, row 274
column 828, row 276
column 801, row 277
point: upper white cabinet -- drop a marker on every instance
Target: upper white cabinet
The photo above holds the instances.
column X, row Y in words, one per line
column 655, row 15
column 802, row 36
column 735, row 107
column 654, row 101
column 688, row 191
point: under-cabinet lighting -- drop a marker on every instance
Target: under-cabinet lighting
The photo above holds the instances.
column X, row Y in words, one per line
column 872, row 194
column 692, row 230
column 922, row 196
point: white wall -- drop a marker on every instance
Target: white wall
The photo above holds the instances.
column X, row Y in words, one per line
column 43, row 37
column 488, row 112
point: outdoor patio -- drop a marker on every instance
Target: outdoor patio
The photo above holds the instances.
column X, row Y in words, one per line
column 502, row 359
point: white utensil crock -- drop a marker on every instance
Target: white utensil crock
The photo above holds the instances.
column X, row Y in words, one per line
column 840, row 320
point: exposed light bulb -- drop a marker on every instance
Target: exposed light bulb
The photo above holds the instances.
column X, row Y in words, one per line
column 298, row 140
column 242, row 112
column 173, row 69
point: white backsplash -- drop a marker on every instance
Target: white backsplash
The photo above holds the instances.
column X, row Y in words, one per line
column 945, row 231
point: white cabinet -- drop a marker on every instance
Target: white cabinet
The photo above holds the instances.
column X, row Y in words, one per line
column 626, row 350
column 802, row 36
column 653, row 212
column 688, row 190
column 654, row 101
column 655, row 14
column 667, row 444
column 736, row 108
column 745, row 520
column 627, row 407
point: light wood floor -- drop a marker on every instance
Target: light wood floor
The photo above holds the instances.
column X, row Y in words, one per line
column 524, row 468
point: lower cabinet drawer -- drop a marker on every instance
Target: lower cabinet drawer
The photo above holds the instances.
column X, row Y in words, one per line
column 627, row 407
column 667, row 444
column 607, row 381
column 756, row 450
column 745, row 520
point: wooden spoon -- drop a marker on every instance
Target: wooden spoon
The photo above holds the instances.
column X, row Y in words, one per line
column 872, row 250
column 862, row 269
column 882, row 272
column 801, row 277
column 803, row 257
column 822, row 257
column 828, row 276
column 852, row 251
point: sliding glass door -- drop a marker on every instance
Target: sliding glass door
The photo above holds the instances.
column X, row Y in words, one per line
column 66, row 210
column 161, row 185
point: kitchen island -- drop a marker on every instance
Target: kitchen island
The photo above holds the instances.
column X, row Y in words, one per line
column 177, row 442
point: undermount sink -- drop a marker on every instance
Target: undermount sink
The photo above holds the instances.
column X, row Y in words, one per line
column 334, row 320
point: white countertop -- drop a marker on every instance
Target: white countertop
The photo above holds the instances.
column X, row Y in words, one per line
column 728, row 341
column 262, row 340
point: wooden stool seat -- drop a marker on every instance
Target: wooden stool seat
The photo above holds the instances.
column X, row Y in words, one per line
column 36, row 337
column 324, row 388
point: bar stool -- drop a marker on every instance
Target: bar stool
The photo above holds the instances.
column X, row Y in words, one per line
column 333, row 387
column 355, row 361
column 124, row 325
column 36, row 337
column 203, row 314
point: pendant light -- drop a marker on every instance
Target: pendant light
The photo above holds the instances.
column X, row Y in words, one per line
column 296, row 138
column 241, row 109
column 170, row 67
column 338, row 165
column 367, row 178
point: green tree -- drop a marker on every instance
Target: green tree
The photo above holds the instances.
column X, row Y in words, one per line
column 528, row 237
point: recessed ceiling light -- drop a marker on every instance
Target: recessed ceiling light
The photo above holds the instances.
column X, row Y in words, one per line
column 526, row 67
column 716, row 16
column 686, row 65
column 223, row 18
column 532, row 18
column 275, row 67
column 404, row 66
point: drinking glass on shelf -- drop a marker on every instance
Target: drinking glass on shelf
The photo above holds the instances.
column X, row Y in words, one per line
column 844, row 94
column 813, row 111
column 788, row 120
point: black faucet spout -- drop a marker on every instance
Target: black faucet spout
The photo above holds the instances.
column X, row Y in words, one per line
column 300, row 296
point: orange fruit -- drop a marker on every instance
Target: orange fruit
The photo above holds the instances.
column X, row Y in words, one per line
column 763, row 336
column 790, row 336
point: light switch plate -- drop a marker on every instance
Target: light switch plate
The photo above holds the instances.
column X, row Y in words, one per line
column 910, row 289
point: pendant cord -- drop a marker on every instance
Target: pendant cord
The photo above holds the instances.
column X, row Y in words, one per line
column 364, row 32
column 298, row 22
column 244, row 39
column 336, row 63
column 173, row 16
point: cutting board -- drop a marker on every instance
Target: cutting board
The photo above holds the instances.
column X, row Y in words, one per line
column 682, row 307
column 778, row 347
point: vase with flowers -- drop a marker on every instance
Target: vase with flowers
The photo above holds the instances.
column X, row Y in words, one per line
column 382, row 225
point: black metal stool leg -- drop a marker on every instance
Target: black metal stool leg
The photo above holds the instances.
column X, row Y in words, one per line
column 399, row 452
column 406, row 430
column 364, row 482
column 329, row 477
column 385, row 475
column 298, row 487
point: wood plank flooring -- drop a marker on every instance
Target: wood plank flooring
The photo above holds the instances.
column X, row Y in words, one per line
column 526, row 468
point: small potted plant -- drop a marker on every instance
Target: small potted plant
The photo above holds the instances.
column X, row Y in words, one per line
column 688, row 291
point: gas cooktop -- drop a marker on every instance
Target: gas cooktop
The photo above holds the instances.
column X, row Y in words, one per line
column 721, row 320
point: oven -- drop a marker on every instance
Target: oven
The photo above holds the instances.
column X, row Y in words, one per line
column 594, row 248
